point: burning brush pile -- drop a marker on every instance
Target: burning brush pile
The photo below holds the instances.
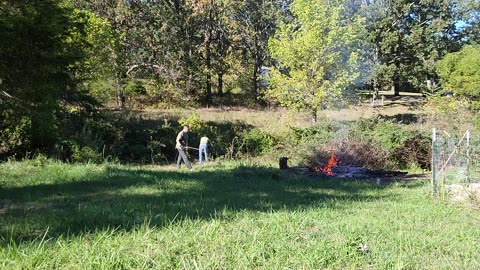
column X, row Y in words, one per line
column 336, row 167
column 328, row 168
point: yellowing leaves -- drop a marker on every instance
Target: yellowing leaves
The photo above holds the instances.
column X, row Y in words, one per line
column 316, row 54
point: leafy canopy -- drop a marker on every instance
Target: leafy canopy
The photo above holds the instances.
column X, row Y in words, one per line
column 316, row 54
column 460, row 71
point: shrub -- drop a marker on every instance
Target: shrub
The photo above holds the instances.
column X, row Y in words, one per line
column 193, row 121
column 135, row 87
column 85, row 155
column 257, row 142
column 415, row 151
column 16, row 139
column 460, row 72
column 40, row 160
column 362, row 153
column 229, row 139
column 322, row 132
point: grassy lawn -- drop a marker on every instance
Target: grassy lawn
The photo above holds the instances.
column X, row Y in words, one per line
column 223, row 216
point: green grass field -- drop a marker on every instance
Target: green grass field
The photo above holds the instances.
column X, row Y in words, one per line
column 223, row 216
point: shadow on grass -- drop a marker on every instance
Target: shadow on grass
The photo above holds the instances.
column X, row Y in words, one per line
column 125, row 198
column 404, row 118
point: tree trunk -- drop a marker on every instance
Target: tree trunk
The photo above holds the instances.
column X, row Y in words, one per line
column 220, row 84
column 255, row 82
column 120, row 100
column 396, row 81
column 314, row 116
column 396, row 86
column 256, row 72
column 120, row 95
column 209, row 89
column 208, row 58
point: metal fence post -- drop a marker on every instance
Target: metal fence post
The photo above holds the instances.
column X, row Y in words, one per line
column 434, row 177
column 468, row 156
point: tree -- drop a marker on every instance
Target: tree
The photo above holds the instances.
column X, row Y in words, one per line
column 316, row 54
column 119, row 16
column 408, row 38
column 100, row 47
column 41, row 53
column 469, row 19
column 460, row 72
column 208, row 13
column 255, row 22
column 166, row 36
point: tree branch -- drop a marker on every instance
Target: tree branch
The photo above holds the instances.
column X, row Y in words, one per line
column 143, row 65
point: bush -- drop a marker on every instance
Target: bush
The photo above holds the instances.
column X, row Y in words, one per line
column 322, row 132
column 40, row 160
column 135, row 87
column 193, row 121
column 85, row 155
column 362, row 153
column 460, row 72
column 415, row 151
column 257, row 142
column 16, row 140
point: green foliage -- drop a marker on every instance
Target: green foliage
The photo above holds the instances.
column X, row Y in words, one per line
column 129, row 137
column 135, row 87
column 394, row 138
column 103, row 90
column 321, row 133
column 450, row 113
column 407, row 38
column 388, row 134
column 257, row 142
column 460, row 72
column 85, row 155
column 16, row 138
column 415, row 151
column 40, row 160
column 193, row 121
column 42, row 50
column 468, row 13
column 254, row 23
column 100, row 42
column 316, row 55
column 230, row 140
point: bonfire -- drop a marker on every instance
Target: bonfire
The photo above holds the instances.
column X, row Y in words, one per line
column 332, row 162
column 333, row 168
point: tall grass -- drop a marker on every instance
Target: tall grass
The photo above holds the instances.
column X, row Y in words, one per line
column 223, row 216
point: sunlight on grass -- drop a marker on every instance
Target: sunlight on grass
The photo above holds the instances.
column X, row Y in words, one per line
column 227, row 216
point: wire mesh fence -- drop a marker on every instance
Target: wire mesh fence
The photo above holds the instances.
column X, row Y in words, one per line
column 455, row 160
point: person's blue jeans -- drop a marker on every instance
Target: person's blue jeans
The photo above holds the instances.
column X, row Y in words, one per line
column 202, row 149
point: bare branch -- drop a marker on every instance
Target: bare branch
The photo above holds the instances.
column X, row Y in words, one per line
column 143, row 65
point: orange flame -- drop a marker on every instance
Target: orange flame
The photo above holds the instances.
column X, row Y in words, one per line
column 332, row 162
